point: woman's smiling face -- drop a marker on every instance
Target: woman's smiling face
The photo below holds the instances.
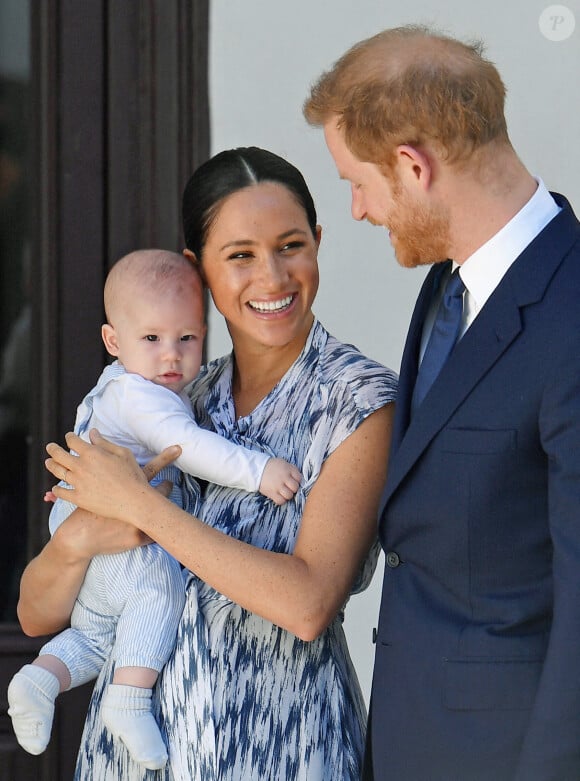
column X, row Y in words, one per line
column 260, row 264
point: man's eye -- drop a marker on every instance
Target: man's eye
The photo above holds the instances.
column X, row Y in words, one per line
column 151, row 338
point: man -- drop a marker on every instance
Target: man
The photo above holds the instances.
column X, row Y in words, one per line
column 477, row 670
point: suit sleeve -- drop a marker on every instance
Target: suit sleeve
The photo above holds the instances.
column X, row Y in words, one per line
column 551, row 749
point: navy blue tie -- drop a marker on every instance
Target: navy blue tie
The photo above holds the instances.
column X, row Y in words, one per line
column 443, row 337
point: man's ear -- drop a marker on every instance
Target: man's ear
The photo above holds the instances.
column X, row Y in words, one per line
column 414, row 165
column 109, row 336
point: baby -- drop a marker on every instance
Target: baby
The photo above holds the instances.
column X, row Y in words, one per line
column 130, row 603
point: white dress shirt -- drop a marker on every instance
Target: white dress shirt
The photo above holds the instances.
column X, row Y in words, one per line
column 483, row 271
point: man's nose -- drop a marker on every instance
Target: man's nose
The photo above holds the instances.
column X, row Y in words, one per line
column 357, row 208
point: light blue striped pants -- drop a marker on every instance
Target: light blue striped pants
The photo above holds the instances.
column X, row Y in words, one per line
column 129, row 606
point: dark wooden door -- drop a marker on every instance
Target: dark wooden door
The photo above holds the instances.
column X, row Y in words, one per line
column 99, row 133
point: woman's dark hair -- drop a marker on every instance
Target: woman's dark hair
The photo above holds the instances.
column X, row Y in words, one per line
column 228, row 172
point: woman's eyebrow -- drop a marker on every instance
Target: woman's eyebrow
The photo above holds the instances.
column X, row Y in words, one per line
column 291, row 232
column 246, row 242
column 237, row 243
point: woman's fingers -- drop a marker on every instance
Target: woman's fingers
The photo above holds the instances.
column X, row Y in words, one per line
column 94, row 464
column 164, row 458
column 60, row 460
column 96, row 439
column 150, row 469
column 96, row 471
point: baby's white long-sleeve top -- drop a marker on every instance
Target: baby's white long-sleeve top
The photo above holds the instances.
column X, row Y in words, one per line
column 136, row 413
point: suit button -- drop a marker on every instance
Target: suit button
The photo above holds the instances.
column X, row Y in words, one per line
column 393, row 559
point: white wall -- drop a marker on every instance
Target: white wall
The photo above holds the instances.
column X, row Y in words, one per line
column 264, row 54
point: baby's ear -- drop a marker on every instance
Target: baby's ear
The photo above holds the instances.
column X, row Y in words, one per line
column 110, row 339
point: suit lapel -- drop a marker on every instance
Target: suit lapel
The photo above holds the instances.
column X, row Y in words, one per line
column 498, row 324
column 478, row 350
column 410, row 359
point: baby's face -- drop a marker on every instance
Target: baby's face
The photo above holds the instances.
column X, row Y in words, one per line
column 160, row 336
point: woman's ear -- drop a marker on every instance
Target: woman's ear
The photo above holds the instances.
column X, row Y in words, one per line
column 109, row 336
column 191, row 256
column 318, row 235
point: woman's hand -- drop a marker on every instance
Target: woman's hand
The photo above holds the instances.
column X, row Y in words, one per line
column 84, row 535
column 105, row 478
column 52, row 580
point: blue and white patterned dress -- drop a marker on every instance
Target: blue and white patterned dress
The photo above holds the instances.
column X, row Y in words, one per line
column 242, row 699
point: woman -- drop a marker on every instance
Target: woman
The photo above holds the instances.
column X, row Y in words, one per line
column 260, row 685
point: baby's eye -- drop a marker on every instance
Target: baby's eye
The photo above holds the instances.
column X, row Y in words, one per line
column 151, row 338
column 187, row 338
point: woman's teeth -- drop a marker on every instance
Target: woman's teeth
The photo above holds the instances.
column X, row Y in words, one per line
column 271, row 306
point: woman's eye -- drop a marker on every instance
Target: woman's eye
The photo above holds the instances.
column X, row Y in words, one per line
column 240, row 256
column 292, row 245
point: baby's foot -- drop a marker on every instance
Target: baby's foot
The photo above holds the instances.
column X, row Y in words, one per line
column 127, row 715
column 31, row 696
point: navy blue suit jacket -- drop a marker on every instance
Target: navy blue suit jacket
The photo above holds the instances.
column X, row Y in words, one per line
column 477, row 671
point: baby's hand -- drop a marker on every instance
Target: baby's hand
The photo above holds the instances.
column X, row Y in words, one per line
column 49, row 497
column 280, row 480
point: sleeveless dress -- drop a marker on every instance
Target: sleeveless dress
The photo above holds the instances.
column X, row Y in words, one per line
column 242, row 699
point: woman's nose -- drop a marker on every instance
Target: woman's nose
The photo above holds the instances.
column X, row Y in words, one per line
column 273, row 269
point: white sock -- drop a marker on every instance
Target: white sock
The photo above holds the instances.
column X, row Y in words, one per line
column 126, row 712
column 31, row 696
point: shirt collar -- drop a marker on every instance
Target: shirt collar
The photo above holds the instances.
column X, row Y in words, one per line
column 482, row 271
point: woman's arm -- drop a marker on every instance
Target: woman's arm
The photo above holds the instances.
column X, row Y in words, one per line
column 301, row 592
column 51, row 581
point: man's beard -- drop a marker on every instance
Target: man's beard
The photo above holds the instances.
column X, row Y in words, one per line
column 420, row 235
